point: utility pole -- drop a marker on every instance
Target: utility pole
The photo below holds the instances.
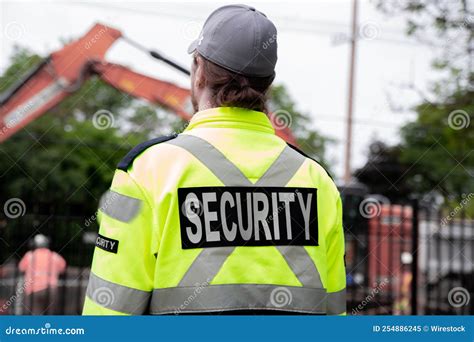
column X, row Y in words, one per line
column 350, row 96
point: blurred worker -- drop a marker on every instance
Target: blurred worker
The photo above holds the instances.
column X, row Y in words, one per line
column 42, row 268
column 225, row 217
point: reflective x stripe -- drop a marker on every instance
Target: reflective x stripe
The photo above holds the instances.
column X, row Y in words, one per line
column 117, row 297
column 208, row 263
column 283, row 168
column 238, row 297
column 213, row 159
column 302, row 265
column 336, row 302
column 120, row 207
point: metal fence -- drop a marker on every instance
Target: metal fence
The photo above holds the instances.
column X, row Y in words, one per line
column 71, row 236
column 402, row 259
column 379, row 259
column 399, row 259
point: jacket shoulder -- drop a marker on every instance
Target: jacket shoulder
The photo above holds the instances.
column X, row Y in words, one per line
column 127, row 161
column 307, row 156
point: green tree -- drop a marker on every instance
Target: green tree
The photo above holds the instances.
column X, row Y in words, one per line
column 435, row 151
column 439, row 146
column 384, row 173
column 62, row 158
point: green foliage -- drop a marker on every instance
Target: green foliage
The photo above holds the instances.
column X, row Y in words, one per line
column 51, row 161
column 62, row 159
column 22, row 62
column 434, row 156
column 438, row 146
column 385, row 174
column 435, row 151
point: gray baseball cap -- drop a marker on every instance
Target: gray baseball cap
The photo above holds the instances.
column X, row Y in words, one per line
column 240, row 39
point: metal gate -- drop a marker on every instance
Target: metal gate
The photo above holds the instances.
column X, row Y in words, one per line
column 404, row 260
column 400, row 259
column 446, row 263
column 71, row 236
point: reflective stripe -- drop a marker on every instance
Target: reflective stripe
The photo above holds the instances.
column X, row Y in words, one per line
column 283, row 168
column 302, row 265
column 206, row 265
column 209, row 261
column 279, row 173
column 238, row 297
column 117, row 297
column 120, row 207
column 336, row 304
column 212, row 158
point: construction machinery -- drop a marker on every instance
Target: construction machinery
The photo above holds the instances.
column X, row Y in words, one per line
column 63, row 72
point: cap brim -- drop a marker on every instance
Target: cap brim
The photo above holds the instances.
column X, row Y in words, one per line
column 192, row 47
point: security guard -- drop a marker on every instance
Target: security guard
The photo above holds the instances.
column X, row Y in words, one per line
column 225, row 217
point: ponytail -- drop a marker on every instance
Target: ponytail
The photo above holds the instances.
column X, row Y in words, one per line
column 230, row 89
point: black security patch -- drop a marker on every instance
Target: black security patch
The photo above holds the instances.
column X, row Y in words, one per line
column 107, row 244
column 247, row 216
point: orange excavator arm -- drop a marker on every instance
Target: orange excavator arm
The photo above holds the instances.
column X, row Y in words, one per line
column 51, row 81
column 64, row 71
column 140, row 86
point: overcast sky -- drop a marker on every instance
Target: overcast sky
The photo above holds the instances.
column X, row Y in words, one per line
column 313, row 55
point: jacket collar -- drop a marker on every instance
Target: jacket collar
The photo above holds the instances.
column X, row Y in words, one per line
column 231, row 117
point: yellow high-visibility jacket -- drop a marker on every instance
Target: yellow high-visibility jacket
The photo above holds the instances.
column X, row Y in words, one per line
column 224, row 216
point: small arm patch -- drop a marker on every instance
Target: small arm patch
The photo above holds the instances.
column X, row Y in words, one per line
column 107, row 244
